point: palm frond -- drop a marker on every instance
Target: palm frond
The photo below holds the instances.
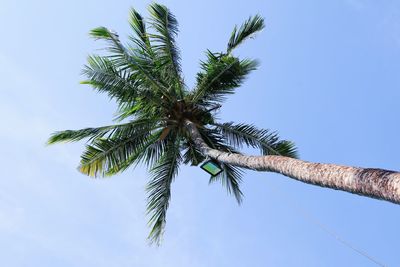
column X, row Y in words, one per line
column 153, row 152
column 77, row 135
column 117, row 130
column 103, row 75
column 159, row 189
column 268, row 142
column 230, row 178
column 163, row 42
column 149, row 104
column 138, row 26
column 214, row 139
column 287, row 148
column 139, row 155
column 246, row 30
column 103, row 155
column 220, row 75
column 145, row 68
column 192, row 154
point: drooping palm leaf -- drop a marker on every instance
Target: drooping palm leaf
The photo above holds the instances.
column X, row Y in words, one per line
column 104, row 155
column 153, row 153
column 230, row 178
column 268, row 142
column 192, row 154
column 246, row 30
column 117, row 130
column 77, row 135
column 147, row 152
column 159, row 189
column 216, row 140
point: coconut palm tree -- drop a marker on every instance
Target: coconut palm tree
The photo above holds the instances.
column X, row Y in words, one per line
column 163, row 124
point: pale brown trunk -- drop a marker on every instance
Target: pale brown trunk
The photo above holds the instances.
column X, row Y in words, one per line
column 375, row 183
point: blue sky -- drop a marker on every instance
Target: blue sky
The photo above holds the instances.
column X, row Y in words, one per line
column 329, row 81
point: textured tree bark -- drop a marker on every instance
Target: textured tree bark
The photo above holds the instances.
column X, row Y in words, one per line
column 370, row 182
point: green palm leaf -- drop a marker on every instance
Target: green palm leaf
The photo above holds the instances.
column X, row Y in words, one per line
column 105, row 77
column 117, row 131
column 77, row 135
column 144, row 66
column 163, row 42
column 104, row 156
column 230, row 178
column 192, row 154
column 148, row 151
column 160, row 46
column 268, row 142
column 138, row 26
column 159, row 189
column 246, row 30
column 220, row 75
column 215, row 140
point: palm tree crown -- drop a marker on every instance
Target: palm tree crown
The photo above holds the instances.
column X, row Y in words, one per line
column 144, row 77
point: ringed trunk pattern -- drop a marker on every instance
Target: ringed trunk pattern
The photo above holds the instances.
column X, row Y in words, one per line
column 370, row 182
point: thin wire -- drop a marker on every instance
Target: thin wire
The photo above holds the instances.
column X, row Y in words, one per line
column 312, row 219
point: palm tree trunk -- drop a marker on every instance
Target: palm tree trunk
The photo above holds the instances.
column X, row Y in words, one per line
column 370, row 182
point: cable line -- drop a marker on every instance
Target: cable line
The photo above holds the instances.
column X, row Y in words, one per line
column 312, row 219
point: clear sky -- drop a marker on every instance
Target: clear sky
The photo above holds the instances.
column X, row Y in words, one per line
column 329, row 81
